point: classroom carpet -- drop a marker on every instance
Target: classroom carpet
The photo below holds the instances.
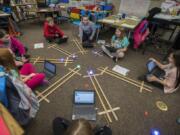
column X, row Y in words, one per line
column 138, row 114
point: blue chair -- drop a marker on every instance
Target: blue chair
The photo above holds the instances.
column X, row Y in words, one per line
column 60, row 19
column 83, row 12
column 76, row 22
column 98, row 16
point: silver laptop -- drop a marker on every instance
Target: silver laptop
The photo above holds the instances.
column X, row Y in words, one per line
column 49, row 69
column 84, row 105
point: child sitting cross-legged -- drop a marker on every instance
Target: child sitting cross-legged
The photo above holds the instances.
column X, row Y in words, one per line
column 28, row 72
column 87, row 32
column 8, row 41
column 119, row 45
column 53, row 33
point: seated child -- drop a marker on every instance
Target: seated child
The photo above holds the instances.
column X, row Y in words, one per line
column 53, row 33
column 87, row 31
column 62, row 126
column 30, row 76
column 7, row 41
column 119, row 45
column 171, row 80
column 97, row 8
column 28, row 73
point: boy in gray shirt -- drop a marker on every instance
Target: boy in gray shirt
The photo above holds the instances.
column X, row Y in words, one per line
column 87, row 31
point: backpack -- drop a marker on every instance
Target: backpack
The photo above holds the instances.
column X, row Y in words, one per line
column 140, row 33
column 23, row 104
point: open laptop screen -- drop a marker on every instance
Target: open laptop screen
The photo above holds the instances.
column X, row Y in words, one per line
column 50, row 67
column 84, row 97
column 151, row 65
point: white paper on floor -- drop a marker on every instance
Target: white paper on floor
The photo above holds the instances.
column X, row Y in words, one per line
column 121, row 70
column 38, row 45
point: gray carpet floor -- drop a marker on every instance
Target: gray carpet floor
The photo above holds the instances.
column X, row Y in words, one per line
column 132, row 103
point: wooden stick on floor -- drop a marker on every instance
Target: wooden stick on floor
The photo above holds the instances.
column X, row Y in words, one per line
column 107, row 101
column 102, row 72
column 127, row 78
column 123, row 79
column 54, row 89
column 87, row 76
column 102, row 103
column 60, row 50
column 75, row 72
column 60, row 79
column 79, row 46
column 43, row 59
column 38, row 94
column 141, row 88
column 81, row 52
column 65, row 64
column 55, row 62
column 108, row 111
column 36, row 60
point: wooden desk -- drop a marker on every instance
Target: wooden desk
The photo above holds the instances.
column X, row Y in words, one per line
column 25, row 4
column 127, row 23
column 113, row 21
column 165, row 19
column 47, row 10
column 2, row 14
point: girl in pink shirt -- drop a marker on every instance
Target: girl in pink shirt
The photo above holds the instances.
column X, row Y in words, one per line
column 7, row 41
column 171, row 81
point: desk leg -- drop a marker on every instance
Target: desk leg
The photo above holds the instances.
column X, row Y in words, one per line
column 129, row 34
column 172, row 33
column 97, row 34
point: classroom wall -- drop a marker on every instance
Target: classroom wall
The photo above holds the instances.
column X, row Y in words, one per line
column 154, row 3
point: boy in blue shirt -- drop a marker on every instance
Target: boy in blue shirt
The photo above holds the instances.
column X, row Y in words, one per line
column 119, row 45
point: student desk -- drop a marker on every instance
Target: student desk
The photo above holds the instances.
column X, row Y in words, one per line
column 2, row 14
column 128, row 23
column 45, row 11
column 167, row 20
column 113, row 21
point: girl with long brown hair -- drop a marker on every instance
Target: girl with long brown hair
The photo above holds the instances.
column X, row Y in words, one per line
column 119, row 45
column 27, row 73
column 62, row 126
column 171, row 81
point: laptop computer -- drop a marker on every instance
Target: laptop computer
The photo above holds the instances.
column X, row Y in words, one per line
column 154, row 69
column 84, row 105
column 49, row 69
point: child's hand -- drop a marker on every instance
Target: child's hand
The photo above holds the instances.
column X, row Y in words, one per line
column 151, row 78
column 23, row 59
column 31, row 75
column 152, row 59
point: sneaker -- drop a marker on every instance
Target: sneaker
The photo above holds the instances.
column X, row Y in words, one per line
column 45, row 82
column 115, row 59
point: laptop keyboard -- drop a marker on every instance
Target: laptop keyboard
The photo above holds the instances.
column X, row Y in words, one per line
column 83, row 110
